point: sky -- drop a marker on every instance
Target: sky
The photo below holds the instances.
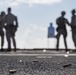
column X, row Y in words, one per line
column 34, row 17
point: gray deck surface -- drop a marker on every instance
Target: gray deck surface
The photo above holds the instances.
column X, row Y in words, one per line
column 38, row 62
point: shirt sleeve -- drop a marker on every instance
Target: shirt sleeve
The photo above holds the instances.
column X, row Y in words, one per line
column 67, row 22
column 16, row 20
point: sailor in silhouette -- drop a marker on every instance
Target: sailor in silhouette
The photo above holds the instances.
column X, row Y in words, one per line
column 11, row 25
column 61, row 29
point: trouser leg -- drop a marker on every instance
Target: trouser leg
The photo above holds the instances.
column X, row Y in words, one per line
column 74, row 38
column 65, row 43
column 14, row 42
column 57, row 45
column 8, row 39
column 2, row 41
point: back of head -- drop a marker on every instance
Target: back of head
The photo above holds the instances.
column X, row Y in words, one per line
column 73, row 11
column 63, row 13
column 9, row 10
column 2, row 13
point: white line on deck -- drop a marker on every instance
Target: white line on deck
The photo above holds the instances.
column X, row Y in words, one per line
column 13, row 54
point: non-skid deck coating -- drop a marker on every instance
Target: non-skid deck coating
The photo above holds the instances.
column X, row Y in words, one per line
column 38, row 63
